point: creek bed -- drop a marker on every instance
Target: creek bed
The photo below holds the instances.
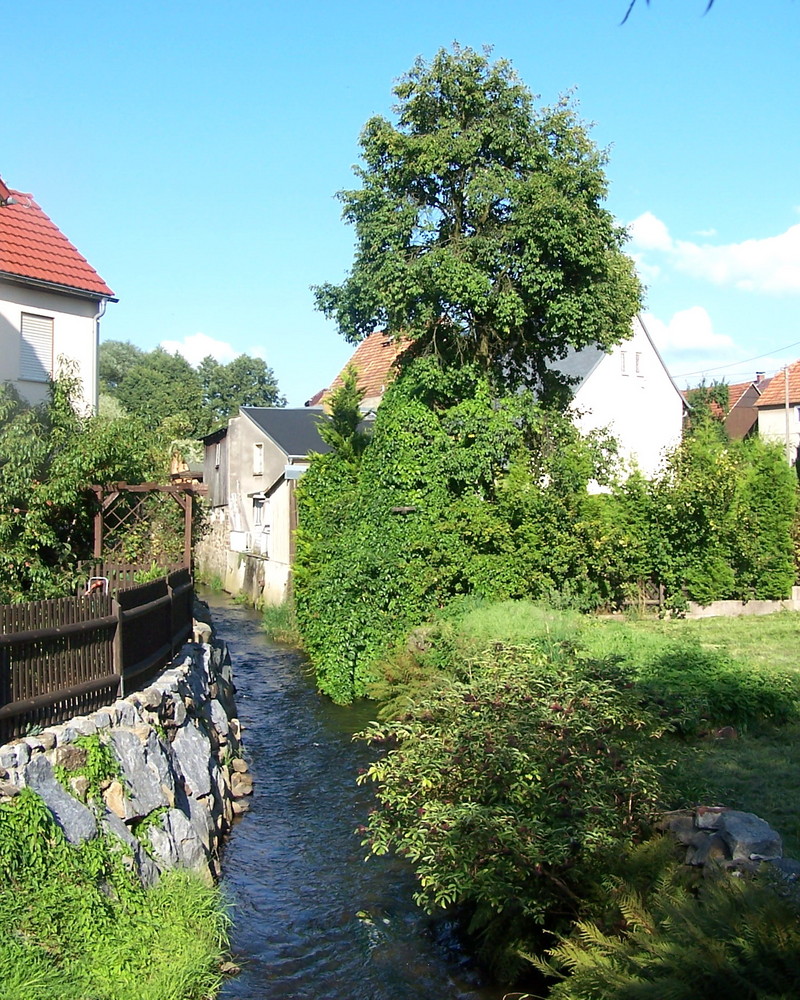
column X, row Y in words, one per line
column 312, row 918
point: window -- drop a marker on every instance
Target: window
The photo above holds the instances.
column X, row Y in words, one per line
column 623, row 362
column 258, row 459
column 258, row 512
column 36, row 349
column 217, row 449
column 639, row 369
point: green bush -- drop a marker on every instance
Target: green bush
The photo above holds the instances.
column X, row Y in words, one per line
column 78, row 923
column 682, row 942
column 510, row 788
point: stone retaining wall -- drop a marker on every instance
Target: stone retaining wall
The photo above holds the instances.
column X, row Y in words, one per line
column 178, row 777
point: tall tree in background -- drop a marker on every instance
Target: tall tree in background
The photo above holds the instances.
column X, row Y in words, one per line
column 245, row 381
column 479, row 226
column 167, row 393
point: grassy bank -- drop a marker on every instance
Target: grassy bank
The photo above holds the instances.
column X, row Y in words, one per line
column 79, row 926
column 750, row 662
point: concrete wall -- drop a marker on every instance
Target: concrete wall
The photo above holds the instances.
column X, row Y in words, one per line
column 734, row 609
column 179, row 754
column 74, row 336
column 262, row 579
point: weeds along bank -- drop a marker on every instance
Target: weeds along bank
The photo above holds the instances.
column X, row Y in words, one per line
column 110, row 832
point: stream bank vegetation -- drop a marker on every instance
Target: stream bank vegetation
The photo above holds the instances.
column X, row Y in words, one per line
column 78, row 923
column 522, row 763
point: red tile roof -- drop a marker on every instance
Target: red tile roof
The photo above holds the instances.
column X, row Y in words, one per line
column 775, row 392
column 33, row 247
column 373, row 360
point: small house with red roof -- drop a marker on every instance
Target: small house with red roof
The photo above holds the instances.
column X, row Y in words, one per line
column 374, row 360
column 779, row 410
column 51, row 301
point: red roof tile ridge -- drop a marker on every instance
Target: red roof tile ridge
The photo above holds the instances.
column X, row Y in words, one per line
column 33, row 247
column 775, row 392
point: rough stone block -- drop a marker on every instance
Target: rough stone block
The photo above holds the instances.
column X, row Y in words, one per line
column 142, row 781
column 749, row 837
column 74, row 818
column 192, row 751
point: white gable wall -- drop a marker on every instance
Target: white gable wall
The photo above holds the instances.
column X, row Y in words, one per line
column 74, row 337
column 639, row 405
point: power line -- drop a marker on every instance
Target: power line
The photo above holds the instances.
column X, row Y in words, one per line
column 736, row 364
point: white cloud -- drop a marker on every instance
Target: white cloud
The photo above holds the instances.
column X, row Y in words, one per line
column 197, row 346
column 650, row 233
column 689, row 332
column 768, row 265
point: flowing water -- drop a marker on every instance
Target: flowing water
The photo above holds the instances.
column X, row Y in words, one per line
column 312, row 918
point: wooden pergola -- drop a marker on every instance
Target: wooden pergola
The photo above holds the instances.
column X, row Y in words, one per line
column 108, row 519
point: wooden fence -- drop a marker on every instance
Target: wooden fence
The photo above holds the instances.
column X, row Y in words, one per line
column 72, row 655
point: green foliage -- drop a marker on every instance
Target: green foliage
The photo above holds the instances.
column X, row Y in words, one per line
column 720, row 519
column 280, row 623
column 245, row 381
column 342, row 431
column 479, row 226
column 168, row 395
column 461, row 492
column 79, row 924
column 101, row 765
column 446, row 501
column 709, row 405
column 681, row 942
column 510, row 788
column 49, row 455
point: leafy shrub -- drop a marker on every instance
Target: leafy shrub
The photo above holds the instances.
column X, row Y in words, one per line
column 509, row 787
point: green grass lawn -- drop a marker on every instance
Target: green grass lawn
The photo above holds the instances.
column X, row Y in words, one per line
column 759, row 770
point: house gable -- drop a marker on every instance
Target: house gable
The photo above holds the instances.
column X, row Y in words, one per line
column 51, row 299
column 629, row 391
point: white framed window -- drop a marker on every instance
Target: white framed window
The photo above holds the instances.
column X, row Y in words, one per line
column 36, row 348
column 623, row 362
column 639, row 364
column 258, row 459
column 217, row 449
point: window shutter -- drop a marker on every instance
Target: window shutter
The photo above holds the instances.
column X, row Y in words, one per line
column 36, row 352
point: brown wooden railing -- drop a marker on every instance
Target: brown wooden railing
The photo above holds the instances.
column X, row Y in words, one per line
column 72, row 655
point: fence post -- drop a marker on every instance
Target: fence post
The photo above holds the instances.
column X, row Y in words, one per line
column 119, row 666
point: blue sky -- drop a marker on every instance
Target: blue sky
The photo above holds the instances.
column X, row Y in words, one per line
column 192, row 150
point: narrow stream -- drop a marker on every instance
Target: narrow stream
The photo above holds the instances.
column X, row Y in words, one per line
column 312, row 918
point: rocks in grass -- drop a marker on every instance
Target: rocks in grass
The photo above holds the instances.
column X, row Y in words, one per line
column 171, row 793
column 727, row 837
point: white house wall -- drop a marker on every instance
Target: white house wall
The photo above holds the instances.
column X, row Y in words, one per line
column 642, row 409
column 772, row 427
column 74, row 337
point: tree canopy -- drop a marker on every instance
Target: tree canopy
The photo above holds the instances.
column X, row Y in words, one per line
column 165, row 391
column 480, row 231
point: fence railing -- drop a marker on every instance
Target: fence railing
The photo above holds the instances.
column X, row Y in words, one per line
column 72, row 655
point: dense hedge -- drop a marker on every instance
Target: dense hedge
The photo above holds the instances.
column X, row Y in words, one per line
column 462, row 491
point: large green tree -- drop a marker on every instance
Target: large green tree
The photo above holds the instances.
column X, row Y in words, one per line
column 168, row 394
column 245, row 381
column 480, row 230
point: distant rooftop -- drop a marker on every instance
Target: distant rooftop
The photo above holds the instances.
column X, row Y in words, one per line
column 294, row 431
